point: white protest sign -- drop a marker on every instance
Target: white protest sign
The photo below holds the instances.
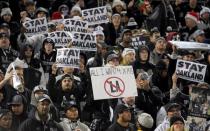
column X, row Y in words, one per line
column 138, row 41
column 61, row 38
column 191, row 45
column 68, row 57
column 84, row 41
column 73, row 25
column 36, row 26
column 190, row 71
column 95, row 15
column 113, row 82
column 15, row 79
column 57, row 21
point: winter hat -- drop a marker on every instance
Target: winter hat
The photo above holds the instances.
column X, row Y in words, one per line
column 127, row 51
column 193, row 16
column 99, row 31
column 204, row 10
column 3, row 112
column 111, row 57
column 125, row 31
column 41, row 9
column 6, row 11
column 198, row 33
column 4, row 35
column 118, row 2
column 76, row 8
column 175, row 119
column 63, row 6
column 145, row 120
column 4, row 25
column 132, row 24
column 56, row 15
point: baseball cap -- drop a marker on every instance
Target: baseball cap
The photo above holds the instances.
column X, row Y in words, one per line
column 198, row 33
column 175, row 119
column 17, row 100
column 145, row 120
column 70, row 104
column 144, row 76
column 111, row 57
column 43, row 98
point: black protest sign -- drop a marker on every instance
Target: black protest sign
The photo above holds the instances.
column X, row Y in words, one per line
column 138, row 41
column 190, row 71
column 73, row 25
column 68, row 57
column 61, row 38
column 95, row 15
column 84, row 41
column 36, row 26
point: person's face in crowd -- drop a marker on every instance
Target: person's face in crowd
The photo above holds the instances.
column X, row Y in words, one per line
column 116, row 20
column 200, row 38
column 64, row 11
column 143, row 84
column 143, row 55
column 30, row 9
column 41, row 15
column 48, row 47
column 160, row 46
column 82, row 59
column 129, row 100
column 20, row 75
column 148, row 9
column 28, row 52
column 125, row 19
column 127, row 37
column 125, row 116
column 6, row 120
column 17, row 109
column 68, row 70
column 190, row 23
column 72, row 113
column 178, row 126
column 174, row 112
column 66, row 84
column 7, row 18
column 4, row 42
column 205, row 16
column 130, row 57
column 43, row 107
column 188, row 57
column 99, row 38
column 154, row 37
column 75, row 13
column 114, row 62
column 118, row 8
column 193, row 3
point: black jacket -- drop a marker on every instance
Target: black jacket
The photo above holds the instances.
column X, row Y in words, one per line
column 33, row 124
column 117, row 127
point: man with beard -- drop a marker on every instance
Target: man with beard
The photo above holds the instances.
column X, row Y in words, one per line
column 41, row 121
column 122, row 123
